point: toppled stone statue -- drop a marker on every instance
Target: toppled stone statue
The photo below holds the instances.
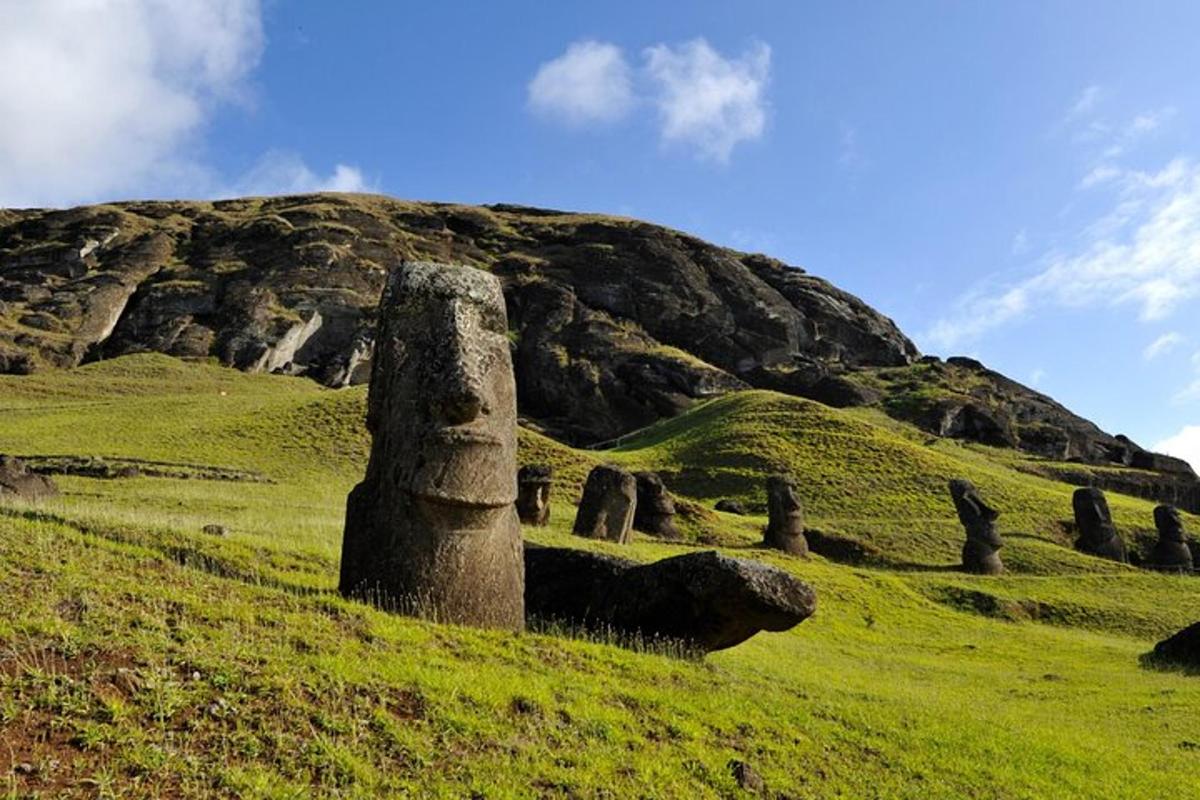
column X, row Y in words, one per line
column 533, row 494
column 1097, row 534
column 1171, row 552
column 1181, row 649
column 17, row 481
column 979, row 554
column 607, row 508
column 730, row 507
column 655, row 510
column 785, row 522
column 432, row 530
column 703, row 601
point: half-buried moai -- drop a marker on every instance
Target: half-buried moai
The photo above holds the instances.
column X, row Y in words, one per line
column 533, row 494
column 785, row 517
column 432, row 530
column 608, row 504
column 655, row 512
column 1171, row 552
column 1097, row 534
column 979, row 554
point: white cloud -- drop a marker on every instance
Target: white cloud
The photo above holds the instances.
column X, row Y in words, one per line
column 1099, row 174
column 286, row 173
column 1185, row 445
column 1085, row 102
column 1162, row 345
column 1020, row 243
column 590, row 82
column 706, row 101
column 1145, row 253
column 1036, row 377
column 101, row 97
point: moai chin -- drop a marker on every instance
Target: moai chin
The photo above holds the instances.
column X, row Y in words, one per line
column 785, row 522
column 980, row 552
column 1097, row 534
column 432, row 529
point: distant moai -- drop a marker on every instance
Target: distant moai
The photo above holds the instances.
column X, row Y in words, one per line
column 608, row 505
column 533, row 494
column 655, row 511
column 1171, row 552
column 1097, row 534
column 980, row 552
column 432, row 529
column 785, row 517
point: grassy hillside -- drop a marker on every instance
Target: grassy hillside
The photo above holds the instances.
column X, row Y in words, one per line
column 140, row 657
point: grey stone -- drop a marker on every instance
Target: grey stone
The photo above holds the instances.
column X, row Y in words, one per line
column 432, row 529
column 533, row 494
column 980, row 553
column 785, row 524
column 1097, row 534
column 608, row 504
column 17, row 481
column 655, row 511
column 730, row 507
column 1171, row 552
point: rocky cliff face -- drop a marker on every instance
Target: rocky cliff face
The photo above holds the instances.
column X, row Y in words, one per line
column 615, row 323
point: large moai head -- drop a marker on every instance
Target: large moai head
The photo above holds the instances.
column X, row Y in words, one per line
column 1171, row 552
column 785, row 522
column 1169, row 524
column 432, row 528
column 608, row 504
column 1097, row 534
column 655, row 513
column 979, row 520
column 533, row 494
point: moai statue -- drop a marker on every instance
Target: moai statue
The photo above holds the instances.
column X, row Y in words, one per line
column 432, row 530
column 785, row 522
column 533, row 494
column 1097, row 534
column 655, row 512
column 1171, row 552
column 607, row 508
column 979, row 554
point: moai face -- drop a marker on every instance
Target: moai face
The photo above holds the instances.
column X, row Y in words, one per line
column 1169, row 523
column 784, row 500
column 971, row 508
column 447, row 401
column 1091, row 510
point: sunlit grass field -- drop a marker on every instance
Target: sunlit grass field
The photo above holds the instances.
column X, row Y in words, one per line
column 141, row 657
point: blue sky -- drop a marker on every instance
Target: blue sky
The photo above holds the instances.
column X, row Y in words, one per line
column 1016, row 181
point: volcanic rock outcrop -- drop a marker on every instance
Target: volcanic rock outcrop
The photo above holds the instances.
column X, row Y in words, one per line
column 704, row 601
column 1097, row 534
column 17, row 481
column 1171, row 552
column 785, row 520
column 432, row 529
column 655, row 511
column 533, row 494
column 607, row 508
column 980, row 553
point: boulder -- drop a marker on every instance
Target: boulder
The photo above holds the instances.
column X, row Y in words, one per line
column 655, row 510
column 1181, row 649
column 1171, row 552
column 432, row 529
column 704, row 601
column 1097, row 534
column 607, row 508
column 17, row 481
column 731, row 507
column 785, row 525
column 533, row 494
column 981, row 552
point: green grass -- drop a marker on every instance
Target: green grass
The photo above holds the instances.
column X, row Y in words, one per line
column 140, row 657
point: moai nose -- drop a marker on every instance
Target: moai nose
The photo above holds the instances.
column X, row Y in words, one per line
column 462, row 407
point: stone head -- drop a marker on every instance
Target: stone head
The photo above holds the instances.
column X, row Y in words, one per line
column 1169, row 523
column 782, row 499
column 1091, row 509
column 969, row 505
column 442, row 389
column 652, row 494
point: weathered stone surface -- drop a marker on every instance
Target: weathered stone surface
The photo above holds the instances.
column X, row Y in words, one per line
column 730, row 507
column 1171, row 552
column 16, row 481
column 655, row 510
column 980, row 553
column 1097, row 534
column 706, row 601
column 433, row 529
column 785, row 525
column 608, row 505
column 533, row 494
column 1181, row 649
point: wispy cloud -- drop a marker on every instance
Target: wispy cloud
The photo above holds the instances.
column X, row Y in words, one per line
column 1020, row 243
column 707, row 103
column 1162, row 345
column 591, row 82
column 280, row 172
column 1084, row 103
column 1185, row 445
